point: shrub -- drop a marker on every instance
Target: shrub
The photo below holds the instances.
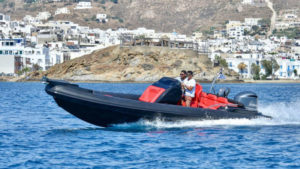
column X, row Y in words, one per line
column 270, row 65
column 255, row 70
column 222, row 62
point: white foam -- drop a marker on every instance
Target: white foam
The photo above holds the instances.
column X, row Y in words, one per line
column 282, row 113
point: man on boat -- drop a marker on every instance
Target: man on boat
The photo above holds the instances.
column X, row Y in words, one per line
column 189, row 85
column 182, row 76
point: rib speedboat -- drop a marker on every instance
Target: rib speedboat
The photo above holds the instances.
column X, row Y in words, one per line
column 160, row 100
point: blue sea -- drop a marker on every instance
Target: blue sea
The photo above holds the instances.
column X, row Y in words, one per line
column 36, row 133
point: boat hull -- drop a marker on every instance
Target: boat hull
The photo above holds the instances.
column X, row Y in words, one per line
column 104, row 109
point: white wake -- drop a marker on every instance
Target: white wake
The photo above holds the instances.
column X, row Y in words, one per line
column 282, row 113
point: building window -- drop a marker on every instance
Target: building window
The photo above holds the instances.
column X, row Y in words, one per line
column 1, row 52
column 6, row 52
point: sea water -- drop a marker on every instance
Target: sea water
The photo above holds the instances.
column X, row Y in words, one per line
column 36, row 133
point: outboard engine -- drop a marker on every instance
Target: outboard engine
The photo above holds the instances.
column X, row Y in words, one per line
column 224, row 92
column 166, row 90
column 248, row 99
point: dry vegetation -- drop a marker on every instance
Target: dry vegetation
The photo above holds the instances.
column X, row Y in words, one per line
column 133, row 64
column 184, row 16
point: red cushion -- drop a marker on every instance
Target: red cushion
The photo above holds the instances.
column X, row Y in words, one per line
column 195, row 100
column 211, row 101
column 222, row 100
column 203, row 99
column 151, row 94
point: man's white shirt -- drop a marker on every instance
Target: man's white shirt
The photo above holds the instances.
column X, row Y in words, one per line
column 189, row 83
column 179, row 79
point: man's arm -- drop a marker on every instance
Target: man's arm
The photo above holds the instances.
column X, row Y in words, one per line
column 189, row 87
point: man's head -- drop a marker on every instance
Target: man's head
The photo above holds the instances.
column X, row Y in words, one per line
column 183, row 74
column 189, row 74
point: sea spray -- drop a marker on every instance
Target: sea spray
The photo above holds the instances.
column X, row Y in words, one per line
column 281, row 113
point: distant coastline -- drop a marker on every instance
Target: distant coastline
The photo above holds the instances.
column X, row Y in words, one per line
column 19, row 79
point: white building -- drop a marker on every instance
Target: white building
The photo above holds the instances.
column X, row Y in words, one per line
column 4, row 19
column 236, row 32
column 101, row 17
column 62, row 11
column 15, row 56
column 83, row 5
column 290, row 16
column 295, row 24
column 248, row 2
column 233, row 64
column 282, row 25
column 251, row 21
column 287, row 67
column 43, row 16
column 29, row 19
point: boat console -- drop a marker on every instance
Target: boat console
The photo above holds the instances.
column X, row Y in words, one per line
column 166, row 90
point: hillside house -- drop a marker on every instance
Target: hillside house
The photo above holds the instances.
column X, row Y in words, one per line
column 62, row 11
column 102, row 18
column 43, row 16
column 83, row 5
column 251, row 21
column 4, row 19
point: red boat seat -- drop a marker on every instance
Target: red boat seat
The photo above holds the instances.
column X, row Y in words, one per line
column 198, row 92
column 151, row 94
column 223, row 100
column 211, row 101
column 203, row 100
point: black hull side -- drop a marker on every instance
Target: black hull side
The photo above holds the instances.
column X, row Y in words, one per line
column 104, row 109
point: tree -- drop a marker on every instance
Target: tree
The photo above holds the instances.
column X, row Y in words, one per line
column 255, row 28
column 242, row 66
column 246, row 32
column 270, row 66
column 23, row 71
column 94, row 18
column 295, row 72
column 255, row 70
column 222, row 62
column 36, row 67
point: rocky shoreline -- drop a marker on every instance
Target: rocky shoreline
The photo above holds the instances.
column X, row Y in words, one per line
column 132, row 64
column 135, row 65
column 21, row 79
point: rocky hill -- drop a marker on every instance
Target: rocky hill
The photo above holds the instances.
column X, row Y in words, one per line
column 139, row 64
column 184, row 16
